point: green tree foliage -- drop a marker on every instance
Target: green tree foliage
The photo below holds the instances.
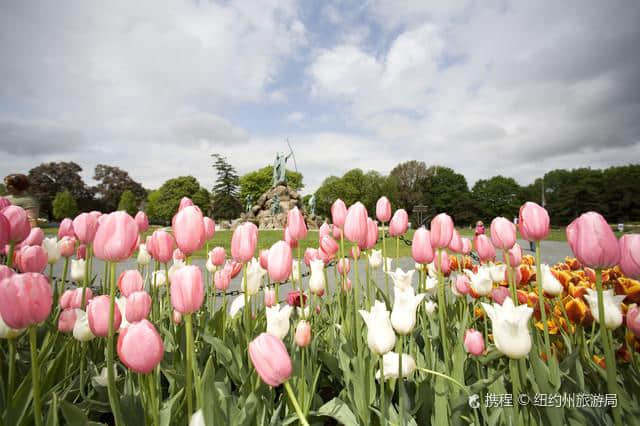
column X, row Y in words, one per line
column 497, row 196
column 49, row 179
column 226, row 191
column 406, row 179
column 163, row 203
column 444, row 190
column 259, row 181
column 128, row 202
column 64, row 205
column 113, row 181
column 621, row 193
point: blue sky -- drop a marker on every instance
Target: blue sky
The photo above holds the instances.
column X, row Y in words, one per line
column 155, row 87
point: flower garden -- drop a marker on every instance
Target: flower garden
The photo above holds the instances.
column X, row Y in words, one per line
column 475, row 333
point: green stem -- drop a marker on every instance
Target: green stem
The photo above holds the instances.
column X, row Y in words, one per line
column 543, row 312
column 397, row 248
column 512, row 284
column 401, row 396
column 189, row 369
column 10, row 255
column 154, row 400
column 609, row 357
column 85, row 282
column 113, row 395
column 12, row 369
column 441, row 312
column 444, row 376
column 35, row 376
column 302, row 377
column 384, row 262
column 247, row 309
column 296, row 406
column 515, row 390
column 356, row 300
column 65, row 272
column 383, row 406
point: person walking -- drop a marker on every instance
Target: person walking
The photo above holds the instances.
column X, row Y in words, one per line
column 17, row 185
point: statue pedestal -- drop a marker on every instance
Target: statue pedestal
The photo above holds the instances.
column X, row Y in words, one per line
column 262, row 211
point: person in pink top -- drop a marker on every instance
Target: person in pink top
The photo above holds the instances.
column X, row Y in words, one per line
column 479, row 228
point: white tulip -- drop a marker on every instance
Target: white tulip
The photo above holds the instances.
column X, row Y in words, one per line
column 81, row 330
column 50, row 245
column 143, row 255
column 550, row 283
column 296, row 274
column 497, row 272
column 389, row 261
column 391, row 361
column 510, row 323
column 254, row 277
column 403, row 315
column 306, row 313
column 316, row 281
column 375, row 259
column 432, row 270
column 278, row 320
column 612, row 311
column 430, row 307
column 481, row 283
column 402, row 279
column 160, row 278
column 77, row 270
column 197, row 419
column 380, row 336
column 420, row 267
column 210, row 266
column 430, row 284
column 236, row 305
column 101, row 379
column 7, row 332
column 122, row 305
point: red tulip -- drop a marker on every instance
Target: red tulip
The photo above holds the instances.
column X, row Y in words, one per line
column 270, row 358
column 421, row 249
column 383, row 209
column 187, row 290
column 31, row 259
column 19, row 223
column 142, row 334
column 593, row 242
column 116, row 238
column 441, row 231
column 295, row 298
column 209, row 228
column 138, row 306
column 221, row 279
column 67, row 320
column 338, row 213
column 372, row 234
column 296, row 225
column 130, row 281
column 630, row 255
column 188, row 229
column 399, row 223
column 25, row 299
column 85, row 226
column 66, row 229
column 279, row 262
column 142, row 221
column 161, row 246
column 355, row 224
column 233, row 268
column 503, row 233
column 244, row 242
column 185, row 202
column 533, row 222
column 98, row 315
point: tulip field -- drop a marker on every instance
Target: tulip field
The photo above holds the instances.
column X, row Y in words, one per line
column 102, row 325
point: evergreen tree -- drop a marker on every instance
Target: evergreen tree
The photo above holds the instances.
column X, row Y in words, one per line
column 225, row 192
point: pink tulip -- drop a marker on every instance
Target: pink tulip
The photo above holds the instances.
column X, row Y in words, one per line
column 185, row 202
column 5, row 272
column 270, row 358
column 279, row 262
column 456, row 244
column 355, row 224
column 81, row 251
column 445, row 264
column 176, row 317
column 383, row 209
column 473, row 342
column 233, row 268
column 533, row 222
column 329, row 245
column 116, row 238
column 463, row 286
column 503, row 233
column 293, row 243
column 344, row 266
column 25, row 299
column 399, row 223
column 421, row 249
column 178, row 255
column 161, row 246
column 338, row 213
column 187, row 290
column 35, row 238
column 324, row 256
column 244, row 242
column 19, row 223
column 325, row 229
column 138, row 306
column 441, row 231
column 217, row 256
column 31, row 259
column 515, row 256
column 630, row 255
column 296, row 225
column 130, row 281
column 72, row 298
column 67, row 320
column 4, row 202
column 67, row 246
column 142, row 221
column 221, row 279
column 355, row 252
column 85, row 226
column 346, row 285
column 633, row 320
column 498, row 294
column 309, row 255
column 336, row 232
column 303, row 334
column 98, row 315
column 5, row 230
column 269, row 297
column 66, row 229
column 137, row 335
column 466, row 246
column 209, row 228
column 372, row 234
column 188, row 229
column 593, row 242
column 485, row 249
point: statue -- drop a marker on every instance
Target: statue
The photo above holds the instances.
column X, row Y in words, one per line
column 248, row 203
column 279, row 169
column 275, row 205
column 312, row 204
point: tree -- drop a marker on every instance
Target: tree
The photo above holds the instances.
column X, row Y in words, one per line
column 48, row 179
column 128, row 202
column 444, row 190
column 202, row 199
column 64, row 205
column 497, row 196
column 113, row 181
column 225, row 193
column 259, row 181
column 406, row 179
column 163, row 203
column 3, row 189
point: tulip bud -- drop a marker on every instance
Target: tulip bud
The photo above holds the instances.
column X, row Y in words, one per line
column 462, row 284
column 32, row 259
column 185, row 202
column 67, row 321
column 85, row 226
column 178, row 255
column 515, row 256
column 142, row 221
column 456, row 244
column 176, row 317
column 355, row 224
column 67, row 246
column 221, row 279
column 187, row 290
column 188, row 229
column 296, row 225
column 303, row 334
column 473, row 342
column 421, row 249
column 383, row 209
column 380, row 335
column 73, row 298
column 269, row 297
column 498, row 294
column 325, row 229
column 217, row 256
column 25, row 299
column 19, row 226
column 65, row 229
column 486, row 251
column 293, row 243
column 630, row 255
column 633, row 319
column 140, row 361
column 279, row 262
column 243, row 242
column 592, row 241
column 161, row 246
column 399, row 223
column 98, row 315
column 81, row 252
column 344, row 266
column 270, row 358
column 533, row 222
column 503, row 233
column 81, row 330
column 130, row 281
column 138, row 306
column 338, row 213
column 77, row 270
column 209, row 228
column 116, row 238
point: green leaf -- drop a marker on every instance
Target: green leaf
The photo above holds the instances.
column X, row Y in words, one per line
column 337, row 409
column 73, row 415
column 52, row 416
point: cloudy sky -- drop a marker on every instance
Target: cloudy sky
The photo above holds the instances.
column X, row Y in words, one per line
column 514, row 88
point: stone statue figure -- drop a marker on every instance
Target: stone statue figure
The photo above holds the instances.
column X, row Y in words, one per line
column 275, row 205
column 279, row 168
column 312, row 204
column 248, row 203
